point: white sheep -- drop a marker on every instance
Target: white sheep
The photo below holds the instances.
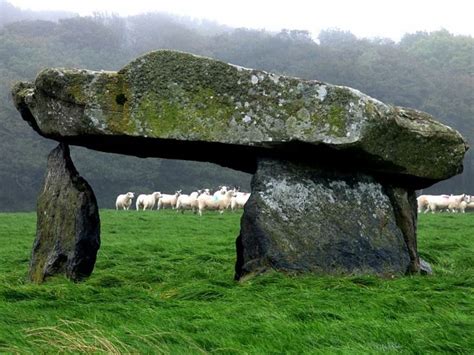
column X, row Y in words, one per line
column 124, row 201
column 424, row 201
column 460, row 205
column 147, row 202
column 217, row 202
column 167, row 200
column 463, row 206
column 239, row 200
column 190, row 202
column 435, row 203
column 185, row 202
column 455, row 201
column 221, row 191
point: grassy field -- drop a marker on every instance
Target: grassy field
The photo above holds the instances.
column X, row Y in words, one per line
column 163, row 283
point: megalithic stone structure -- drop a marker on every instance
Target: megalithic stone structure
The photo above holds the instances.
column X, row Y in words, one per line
column 68, row 225
column 335, row 170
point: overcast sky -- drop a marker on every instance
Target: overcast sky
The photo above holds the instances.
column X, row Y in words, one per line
column 364, row 18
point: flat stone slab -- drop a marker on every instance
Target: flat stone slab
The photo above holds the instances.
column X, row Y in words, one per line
column 176, row 105
column 68, row 225
column 307, row 219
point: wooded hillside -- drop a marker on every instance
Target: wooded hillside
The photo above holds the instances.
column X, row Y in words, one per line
column 432, row 72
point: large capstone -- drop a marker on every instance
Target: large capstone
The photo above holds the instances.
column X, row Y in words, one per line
column 68, row 225
column 302, row 218
column 177, row 105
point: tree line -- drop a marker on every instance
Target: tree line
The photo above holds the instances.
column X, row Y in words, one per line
column 432, row 72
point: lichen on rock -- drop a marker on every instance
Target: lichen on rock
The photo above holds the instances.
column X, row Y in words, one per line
column 68, row 225
column 175, row 96
column 301, row 219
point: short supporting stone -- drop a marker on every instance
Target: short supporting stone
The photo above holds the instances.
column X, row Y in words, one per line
column 302, row 219
column 68, row 225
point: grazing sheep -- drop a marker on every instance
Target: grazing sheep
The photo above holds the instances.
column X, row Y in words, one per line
column 190, row 202
column 147, row 202
column 455, row 201
column 124, row 201
column 461, row 206
column 435, row 203
column 424, row 201
column 219, row 202
column 185, row 202
column 239, row 200
column 464, row 205
column 167, row 200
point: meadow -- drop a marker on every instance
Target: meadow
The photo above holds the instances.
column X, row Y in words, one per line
column 163, row 283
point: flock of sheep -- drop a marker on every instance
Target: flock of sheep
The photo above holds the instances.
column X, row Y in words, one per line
column 225, row 198
column 449, row 203
column 198, row 201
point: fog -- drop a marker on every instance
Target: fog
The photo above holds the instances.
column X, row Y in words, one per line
column 364, row 18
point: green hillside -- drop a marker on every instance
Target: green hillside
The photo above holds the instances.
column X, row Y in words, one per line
column 428, row 71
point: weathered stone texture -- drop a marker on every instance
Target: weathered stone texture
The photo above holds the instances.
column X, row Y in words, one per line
column 308, row 219
column 68, row 225
column 174, row 98
column 405, row 209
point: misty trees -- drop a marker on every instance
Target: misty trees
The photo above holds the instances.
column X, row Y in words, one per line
column 429, row 71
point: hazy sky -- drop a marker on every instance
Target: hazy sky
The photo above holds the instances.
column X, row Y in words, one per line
column 364, row 18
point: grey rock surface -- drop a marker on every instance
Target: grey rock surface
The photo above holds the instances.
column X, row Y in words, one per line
column 176, row 105
column 301, row 219
column 68, row 225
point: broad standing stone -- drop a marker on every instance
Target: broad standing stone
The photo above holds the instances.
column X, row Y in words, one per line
column 310, row 219
column 68, row 225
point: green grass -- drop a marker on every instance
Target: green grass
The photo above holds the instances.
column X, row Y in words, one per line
column 163, row 283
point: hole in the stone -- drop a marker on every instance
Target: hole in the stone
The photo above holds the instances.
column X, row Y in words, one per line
column 120, row 99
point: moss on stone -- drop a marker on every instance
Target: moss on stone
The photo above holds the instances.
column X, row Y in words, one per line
column 68, row 225
column 337, row 121
column 76, row 92
column 370, row 109
column 340, row 95
column 204, row 116
column 191, row 73
column 174, row 95
column 20, row 91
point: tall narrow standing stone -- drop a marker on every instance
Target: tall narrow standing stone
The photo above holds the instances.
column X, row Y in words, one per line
column 68, row 225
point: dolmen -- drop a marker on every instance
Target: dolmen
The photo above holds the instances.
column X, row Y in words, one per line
column 334, row 170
